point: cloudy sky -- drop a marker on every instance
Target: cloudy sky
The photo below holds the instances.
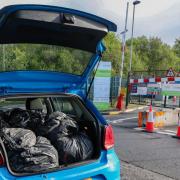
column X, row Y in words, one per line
column 154, row 18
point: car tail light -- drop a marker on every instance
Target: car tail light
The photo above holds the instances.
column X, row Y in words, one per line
column 1, row 160
column 108, row 137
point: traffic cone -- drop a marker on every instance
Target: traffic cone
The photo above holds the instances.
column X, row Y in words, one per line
column 178, row 130
column 150, row 121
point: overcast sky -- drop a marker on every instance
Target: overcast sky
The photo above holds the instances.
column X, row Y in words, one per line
column 151, row 7
column 154, row 18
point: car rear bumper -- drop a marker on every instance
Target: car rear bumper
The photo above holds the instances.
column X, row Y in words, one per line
column 106, row 167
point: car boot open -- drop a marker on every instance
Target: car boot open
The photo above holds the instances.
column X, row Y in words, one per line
column 43, row 133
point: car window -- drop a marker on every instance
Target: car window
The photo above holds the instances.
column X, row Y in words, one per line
column 7, row 104
column 68, row 105
column 63, row 105
column 43, row 57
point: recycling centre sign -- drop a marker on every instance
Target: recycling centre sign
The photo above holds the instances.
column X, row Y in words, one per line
column 171, row 89
column 102, row 84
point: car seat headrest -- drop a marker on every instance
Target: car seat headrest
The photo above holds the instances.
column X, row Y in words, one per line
column 35, row 104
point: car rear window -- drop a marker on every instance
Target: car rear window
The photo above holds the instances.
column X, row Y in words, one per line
column 43, row 57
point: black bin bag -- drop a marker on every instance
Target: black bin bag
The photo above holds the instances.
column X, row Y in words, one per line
column 19, row 118
column 28, row 154
column 41, row 157
column 63, row 132
column 71, row 144
column 57, row 124
column 38, row 158
column 3, row 120
column 74, row 148
column 37, row 119
column 18, row 138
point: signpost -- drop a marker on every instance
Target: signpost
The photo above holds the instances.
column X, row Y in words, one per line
column 170, row 73
column 142, row 90
column 171, row 89
column 160, row 85
column 153, row 88
column 102, row 83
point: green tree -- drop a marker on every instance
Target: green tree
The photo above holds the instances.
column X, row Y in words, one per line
column 176, row 47
column 113, row 52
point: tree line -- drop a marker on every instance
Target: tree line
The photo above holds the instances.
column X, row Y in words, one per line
column 148, row 54
column 42, row 57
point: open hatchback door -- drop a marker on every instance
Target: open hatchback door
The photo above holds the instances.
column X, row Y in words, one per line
column 48, row 52
column 51, row 24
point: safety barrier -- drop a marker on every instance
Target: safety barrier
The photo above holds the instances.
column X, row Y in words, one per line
column 159, row 119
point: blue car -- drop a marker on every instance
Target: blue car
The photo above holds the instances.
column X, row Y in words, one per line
column 49, row 54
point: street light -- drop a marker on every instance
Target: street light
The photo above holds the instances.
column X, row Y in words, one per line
column 131, row 52
column 132, row 34
column 123, row 48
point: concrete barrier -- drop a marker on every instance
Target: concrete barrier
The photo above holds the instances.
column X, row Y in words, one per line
column 162, row 117
column 171, row 117
column 159, row 118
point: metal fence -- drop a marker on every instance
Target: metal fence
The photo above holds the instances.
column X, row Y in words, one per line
column 155, row 98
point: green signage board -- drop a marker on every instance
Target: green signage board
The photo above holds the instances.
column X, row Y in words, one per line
column 171, row 89
column 102, row 83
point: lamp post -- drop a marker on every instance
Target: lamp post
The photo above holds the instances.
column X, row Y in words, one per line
column 123, row 47
column 132, row 33
column 136, row 2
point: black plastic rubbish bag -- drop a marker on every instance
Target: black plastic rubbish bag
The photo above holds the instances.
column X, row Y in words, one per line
column 40, row 157
column 37, row 119
column 73, row 149
column 48, row 127
column 3, row 124
column 19, row 118
column 56, row 124
column 3, row 120
column 63, row 131
column 18, row 138
column 67, row 127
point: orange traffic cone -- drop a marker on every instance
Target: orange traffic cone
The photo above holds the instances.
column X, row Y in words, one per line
column 178, row 130
column 150, row 121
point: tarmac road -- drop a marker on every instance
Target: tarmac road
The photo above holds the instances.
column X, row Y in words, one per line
column 144, row 155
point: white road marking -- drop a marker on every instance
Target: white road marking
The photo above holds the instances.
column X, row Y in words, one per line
column 165, row 132
column 139, row 129
column 121, row 120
